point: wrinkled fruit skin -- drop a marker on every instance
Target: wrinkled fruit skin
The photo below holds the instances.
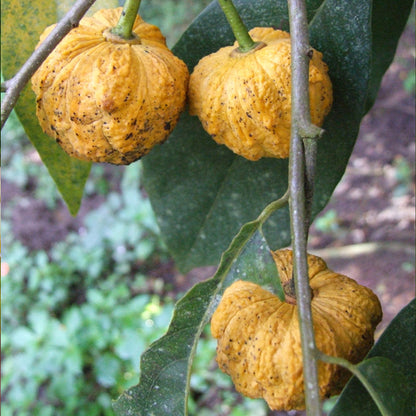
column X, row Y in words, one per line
column 108, row 100
column 244, row 100
column 259, row 338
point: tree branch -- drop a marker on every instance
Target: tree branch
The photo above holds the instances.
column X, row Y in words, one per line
column 15, row 85
column 301, row 174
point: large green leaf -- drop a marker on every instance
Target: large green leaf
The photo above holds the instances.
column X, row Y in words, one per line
column 385, row 384
column 393, row 379
column 22, row 22
column 166, row 365
column 202, row 192
column 388, row 20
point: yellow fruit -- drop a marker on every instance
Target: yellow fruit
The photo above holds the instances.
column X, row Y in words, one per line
column 243, row 100
column 106, row 99
column 259, row 338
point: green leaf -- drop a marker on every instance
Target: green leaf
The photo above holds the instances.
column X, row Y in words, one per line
column 22, row 23
column 390, row 371
column 256, row 264
column 383, row 381
column 389, row 18
column 165, row 367
column 202, row 192
column 106, row 369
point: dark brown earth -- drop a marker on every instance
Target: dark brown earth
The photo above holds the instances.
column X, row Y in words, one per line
column 370, row 221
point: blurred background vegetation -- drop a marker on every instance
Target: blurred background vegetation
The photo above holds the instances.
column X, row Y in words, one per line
column 83, row 297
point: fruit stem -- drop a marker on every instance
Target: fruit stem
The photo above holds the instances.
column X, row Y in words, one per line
column 125, row 24
column 245, row 42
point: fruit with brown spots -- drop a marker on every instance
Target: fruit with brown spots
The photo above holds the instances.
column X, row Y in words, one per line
column 259, row 338
column 106, row 99
column 243, row 100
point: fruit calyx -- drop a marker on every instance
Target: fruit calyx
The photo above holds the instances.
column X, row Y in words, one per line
column 109, row 36
column 237, row 52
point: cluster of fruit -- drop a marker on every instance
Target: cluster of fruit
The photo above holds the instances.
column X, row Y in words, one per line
column 107, row 99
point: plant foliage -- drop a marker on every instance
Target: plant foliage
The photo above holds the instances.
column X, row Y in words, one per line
column 390, row 368
column 166, row 365
column 202, row 192
column 75, row 320
column 204, row 197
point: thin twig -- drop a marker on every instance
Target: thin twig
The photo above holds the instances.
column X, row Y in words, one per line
column 15, row 85
column 301, row 191
column 4, row 86
column 273, row 206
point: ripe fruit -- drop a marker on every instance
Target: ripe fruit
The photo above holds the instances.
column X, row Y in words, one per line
column 243, row 100
column 106, row 99
column 259, row 337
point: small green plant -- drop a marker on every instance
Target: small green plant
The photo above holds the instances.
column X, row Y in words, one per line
column 330, row 223
column 404, row 175
column 76, row 363
column 71, row 316
column 409, row 83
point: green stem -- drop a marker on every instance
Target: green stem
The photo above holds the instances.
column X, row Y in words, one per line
column 245, row 42
column 272, row 207
column 128, row 16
